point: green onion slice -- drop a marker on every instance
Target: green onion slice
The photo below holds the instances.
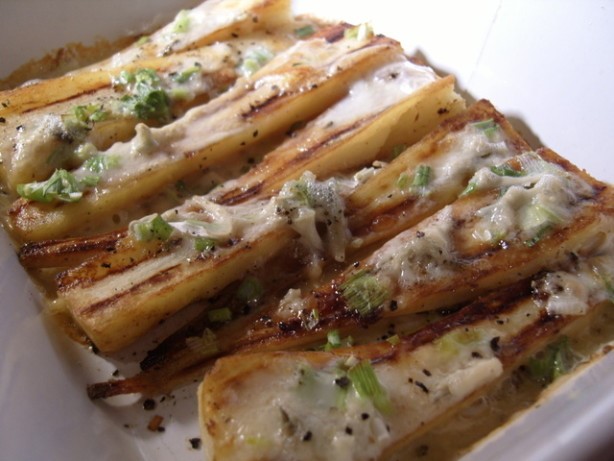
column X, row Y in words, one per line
column 305, row 31
column 62, row 185
column 150, row 228
column 363, row 292
column 366, row 384
column 250, row 290
column 220, row 315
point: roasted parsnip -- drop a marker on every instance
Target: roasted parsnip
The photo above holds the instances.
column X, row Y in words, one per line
column 295, row 85
column 365, row 402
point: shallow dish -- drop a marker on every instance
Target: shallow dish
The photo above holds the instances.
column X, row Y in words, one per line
column 546, row 65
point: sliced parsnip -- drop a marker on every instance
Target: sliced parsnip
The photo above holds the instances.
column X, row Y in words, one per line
column 210, row 22
column 295, row 85
column 35, row 143
column 345, row 143
column 458, row 145
column 388, row 202
column 357, row 128
column 365, row 402
column 353, row 140
column 448, row 258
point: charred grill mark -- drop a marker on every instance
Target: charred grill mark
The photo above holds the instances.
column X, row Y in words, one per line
column 154, row 280
column 237, row 196
column 539, row 332
column 334, row 33
column 486, row 308
column 256, row 108
column 79, row 276
column 35, row 251
column 73, row 96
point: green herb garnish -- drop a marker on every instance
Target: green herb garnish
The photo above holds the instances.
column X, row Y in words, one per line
column 220, row 315
column 305, row 31
column 363, row 292
column 403, row 181
column 250, row 290
column 552, row 362
column 397, row 150
column 418, row 183
column 366, row 384
column 147, row 99
column 204, row 244
column 506, row 170
column 422, row 176
column 489, row 127
column 182, row 22
column 153, row 227
column 187, row 74
column 539, row 235
column 254, row 59
column 334, row 341
column 361, row 32
column 62, row 185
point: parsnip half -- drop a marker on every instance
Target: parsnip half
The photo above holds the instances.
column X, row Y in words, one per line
column 295, row 85
column 210, row 22
column 365, row 402
column 35, row 143
column 112, row 311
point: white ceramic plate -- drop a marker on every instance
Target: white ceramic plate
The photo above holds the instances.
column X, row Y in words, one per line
column 547, row 65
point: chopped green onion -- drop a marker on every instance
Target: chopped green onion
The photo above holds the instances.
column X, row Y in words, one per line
column 142, row 40
column 540, row 234
column 363, row 292
column 62, row 185
column 398, row 150
column 552, row 362
column 204, row 244
column 220, row 315
column 185, row 75
column 151, row 228
column 506, row 170
column 85, row 151
column 153, row 105
column 394, row 340
column 86, row 116
column 147, row 100
column 470, row 189
column 182, row 22
column 334, row 341
column 99, row 163
column 457, row 340
column 418, row 182
column 422, row 176
column 366, row 385
column 403, row 181
column 254, row 59
column 305, row 31
column 489, row 127
column 250, row 290
column 361, row 32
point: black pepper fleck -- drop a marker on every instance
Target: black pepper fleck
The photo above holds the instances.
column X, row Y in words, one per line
column 149, row 404
column 195, row 443
column 307, row 437
column 422, row 386
column 343, row 382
